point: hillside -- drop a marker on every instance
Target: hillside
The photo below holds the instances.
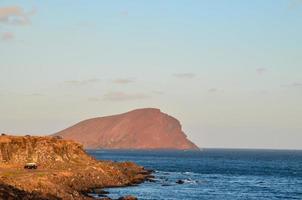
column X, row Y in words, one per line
column 64, row 170
column 47, row 151
column 147, row 128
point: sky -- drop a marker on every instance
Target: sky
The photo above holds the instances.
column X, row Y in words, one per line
column 229, row 70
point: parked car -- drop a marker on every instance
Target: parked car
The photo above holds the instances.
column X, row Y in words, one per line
column 30, row 166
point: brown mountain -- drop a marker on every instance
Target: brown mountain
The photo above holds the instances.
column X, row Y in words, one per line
column 147, row 128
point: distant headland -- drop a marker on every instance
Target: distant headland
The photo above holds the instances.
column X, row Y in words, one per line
column 146, row 128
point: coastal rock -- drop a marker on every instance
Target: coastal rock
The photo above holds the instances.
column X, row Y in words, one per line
column 45, row 151
column 129, row 197
column 151, row 180
column 8, row 192
column 64, row 170
column 165, row 184
column 147, row 128
column 99, row 191
column 180, row 182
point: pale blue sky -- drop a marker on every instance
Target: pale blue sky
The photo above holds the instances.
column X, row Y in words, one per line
column 230, row 71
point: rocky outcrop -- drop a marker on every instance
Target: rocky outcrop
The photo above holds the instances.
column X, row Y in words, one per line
column 139, row 129
column 127, row 198
column 47, row 151
column 11, row 193
column 64, row 170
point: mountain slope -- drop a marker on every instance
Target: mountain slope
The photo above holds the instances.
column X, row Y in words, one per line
column 147, row 128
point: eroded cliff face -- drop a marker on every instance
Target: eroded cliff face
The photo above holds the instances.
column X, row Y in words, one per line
column 139, row 129
column 46, row 151
column 64, row 171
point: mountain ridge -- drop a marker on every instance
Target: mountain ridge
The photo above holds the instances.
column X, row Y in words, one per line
column 145, row 128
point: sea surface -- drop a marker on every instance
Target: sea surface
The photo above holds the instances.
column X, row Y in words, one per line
column 218, row 174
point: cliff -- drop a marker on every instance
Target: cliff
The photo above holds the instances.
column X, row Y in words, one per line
column 47, row 151
column 64, row 171
column 139, row 129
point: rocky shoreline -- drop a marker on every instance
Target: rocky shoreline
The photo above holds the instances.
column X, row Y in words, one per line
column 101, row 193
column 65, row 170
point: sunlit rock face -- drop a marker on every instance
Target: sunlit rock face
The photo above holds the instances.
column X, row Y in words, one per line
column 146, row 128
column 43, row 150
column 63, row 170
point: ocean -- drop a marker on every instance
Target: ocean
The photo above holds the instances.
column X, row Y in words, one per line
column 213, row 174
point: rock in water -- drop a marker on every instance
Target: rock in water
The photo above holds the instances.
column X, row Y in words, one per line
column 180, row 182
column 129, row 197
column 147, row 128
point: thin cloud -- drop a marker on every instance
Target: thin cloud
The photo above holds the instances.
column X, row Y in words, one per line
column 293, row 4
column 158, row 92
column 261, row 70
column 7, row 36
column 15, row 15
column 123, row 81
column 293, row 85
column 213, row 90
column 263, row 92
column 185, row 75
column 82, row 82
column 94, row 99
column 34, row 95
column 121, row 96
column 124, row 13
column 85, row 24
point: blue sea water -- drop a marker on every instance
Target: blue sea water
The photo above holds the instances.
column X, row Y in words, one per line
column 214, row 174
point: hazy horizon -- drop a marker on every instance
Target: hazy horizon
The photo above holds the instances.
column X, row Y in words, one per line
column 229, row 71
